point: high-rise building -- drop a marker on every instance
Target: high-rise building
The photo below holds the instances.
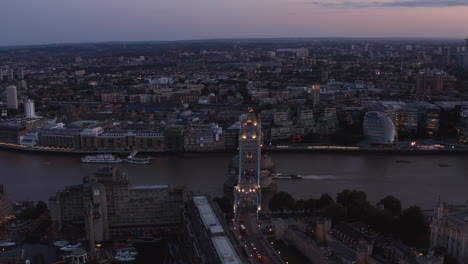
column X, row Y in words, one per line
column 29, row 109
column 22, row 85
column 302, row 52
column 446, row 56
column 420, row 86
column 438, row 82
column 6, row 207
column 315, row 94
column 108, row 206
column 12, row 97
column 10, row 74
column 20, row 73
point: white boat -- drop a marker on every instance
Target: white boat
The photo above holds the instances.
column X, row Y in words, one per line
column 125, row 256
column 102, row 158
column 70, row 247
column 134, row 160
column 61, row 243
column 7, row 244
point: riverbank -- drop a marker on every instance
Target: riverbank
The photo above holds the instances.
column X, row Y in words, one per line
column 282, row 148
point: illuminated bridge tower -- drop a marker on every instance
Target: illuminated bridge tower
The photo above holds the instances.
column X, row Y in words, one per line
column 247, row 192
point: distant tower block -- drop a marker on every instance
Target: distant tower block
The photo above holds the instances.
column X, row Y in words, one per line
column 421, row 86
column 29, row 109
column 315, row 94
column 247, row 192
column 12, row 98
column 20, row 73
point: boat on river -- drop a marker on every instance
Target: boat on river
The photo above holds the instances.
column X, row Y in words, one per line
column 102, row 158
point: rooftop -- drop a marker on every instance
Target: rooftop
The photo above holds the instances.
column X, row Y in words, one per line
column 225, row 250
column 210, row 221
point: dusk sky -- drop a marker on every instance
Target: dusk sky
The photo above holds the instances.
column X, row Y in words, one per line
column 67, row 21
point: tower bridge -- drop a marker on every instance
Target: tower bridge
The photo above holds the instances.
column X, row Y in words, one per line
column 247, row 192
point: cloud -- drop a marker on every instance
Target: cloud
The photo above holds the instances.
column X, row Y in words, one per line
column 399, row 3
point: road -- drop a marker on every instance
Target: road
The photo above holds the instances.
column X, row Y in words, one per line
column 255, row 238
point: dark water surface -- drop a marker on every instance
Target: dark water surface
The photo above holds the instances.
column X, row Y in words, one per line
column 418, row 180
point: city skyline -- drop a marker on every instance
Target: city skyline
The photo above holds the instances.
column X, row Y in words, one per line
column 35, row 22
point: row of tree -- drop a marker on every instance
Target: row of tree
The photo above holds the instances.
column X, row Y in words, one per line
column 386, row 217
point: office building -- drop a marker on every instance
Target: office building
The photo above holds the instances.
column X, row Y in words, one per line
column 302, row 52
column 404, row 117
column 428, row 117
column 204, row 237
column 463, row 136
column 22, row 85
column 29, row 109
column 379, row 128
column 204, row 137
column 20, row 73
column 315, row 96
column 438, row 82
column 10, row 74
column 6, row 207
column 12, row 97
column 107, row 206
column 420, row 86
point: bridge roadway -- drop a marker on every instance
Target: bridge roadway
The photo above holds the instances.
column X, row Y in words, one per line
column 255, row 237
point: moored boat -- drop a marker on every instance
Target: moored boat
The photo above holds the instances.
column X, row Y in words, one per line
column 134, row 160
column 102, row 158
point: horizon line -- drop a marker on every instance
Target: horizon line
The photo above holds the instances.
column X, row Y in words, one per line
column 221, row 39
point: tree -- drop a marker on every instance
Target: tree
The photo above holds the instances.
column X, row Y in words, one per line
column 414, row 228
column 281, row 202
column 336, row 212
column 324, row 201
column 347, row 197
column 300, row 206
column 391, row 204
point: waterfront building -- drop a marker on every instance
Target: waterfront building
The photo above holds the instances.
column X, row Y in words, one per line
column 61, row 138
column 107, row 206
column 449, row 230
column 428, row 117
column 404, row 117
column 327, row 122
column 203, row 137
column 29, row 109
column 204, row 237
column 11, row 131
column 463, row 135
column 379, row 128
column 12, row 97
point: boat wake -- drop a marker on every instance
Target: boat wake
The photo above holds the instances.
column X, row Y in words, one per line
column 319, row 177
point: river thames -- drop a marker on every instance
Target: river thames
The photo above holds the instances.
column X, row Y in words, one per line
column 415, row 179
